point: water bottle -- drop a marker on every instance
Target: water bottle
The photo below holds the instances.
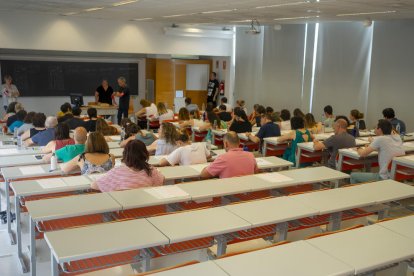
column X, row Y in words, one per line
column 122, row 134
column 53, row 162
column 15, row 132
column 19, row 142
column 208, row 144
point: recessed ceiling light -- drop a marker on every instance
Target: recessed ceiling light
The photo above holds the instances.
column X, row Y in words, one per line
column 93, row 9
column 141, row 19
column 365, row 13
column 208, row 12
column 69, row 13
column 293, row 18
column 177, row 15
column 242, row 21
column 124, row 3
column 283, row 5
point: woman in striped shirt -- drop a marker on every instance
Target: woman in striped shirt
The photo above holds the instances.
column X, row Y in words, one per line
column 135, row 172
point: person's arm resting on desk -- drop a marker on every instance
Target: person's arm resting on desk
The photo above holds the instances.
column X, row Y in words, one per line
column 70, row 166
column 29, row 142
column 252, row 137
column 317, row 145
column 365, row 151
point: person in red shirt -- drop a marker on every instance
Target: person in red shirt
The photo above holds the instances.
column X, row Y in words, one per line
column 235, row 162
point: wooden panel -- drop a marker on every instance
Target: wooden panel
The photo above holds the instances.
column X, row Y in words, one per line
column 164, row 81
column 150, row 73
column 197, row 97
column 180, row 76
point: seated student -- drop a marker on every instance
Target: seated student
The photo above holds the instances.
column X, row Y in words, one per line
column 95, row 159
column 134, row 132
column 10, row 111
column 194, row 121
column 340, row 140
column 68, row 152
column 44, row 137
column 312, row 125
column 76, row 120
column 187, row 154
column 269, row 110
column 268, row 129
column 90, row 125
column 387, row 145
column 65, row 112
column 256, row 116
column 134, row 172
column 228, row 106
column 38, row 126
column 235, row 162
column 190, row 106
column 27, row 123
column 240, row 123
column 61, row 139
column 105, row 129
column 298, row 113
column 397, row 124
column 299, row 134
column 285, row 117
column 223, row 114
column 209, row 107
column 242, row 105
column 213, row 122
column 329, row 117
column 167, row 141
column 12, row 118
column 20, row 115
column 148, row 109
column 163, row 113
column 183, row 115
column 356, row 119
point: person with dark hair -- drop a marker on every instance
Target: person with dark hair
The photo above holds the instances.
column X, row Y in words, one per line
column 10, row 111
column 298, row 113
column 190, row 106
column 356, row 119
column 20, row 115
column 285, row 117
column 27, row 123
column 103, row 94
column 340, row 140
column 9, row 91
column 268, row 129
column 65, row 112
column 11, row 119
column 39, row 120
column 256, row 116
column 76, row 120
column 90, row 125
column 213, row 122
column 240, row 123
column 212, row 89
column 397, row 124
column 44, row 137
column 61, row 139
column 134, row 172
column 299, row 134
column 134, row 132
column 223, row 114
column 387, row 145
column 235, row 162
column 223, row 101
column 269, row 110
column 329, row 118
column 95, row 159
column 105, row 129
column 187, row 154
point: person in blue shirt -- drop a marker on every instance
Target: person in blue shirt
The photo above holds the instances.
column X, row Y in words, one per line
column 268, row 128
column 44, row 137
column 20, row 115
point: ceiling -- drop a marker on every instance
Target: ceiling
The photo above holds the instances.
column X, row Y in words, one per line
column 219, row 12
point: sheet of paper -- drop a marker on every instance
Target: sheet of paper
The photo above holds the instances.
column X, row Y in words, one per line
column 51, row 183
column 95, row 177
column 118, row 163
column 76, row 180
column 166, row 192
column 31, row 170
column 273, row 177
column 409, row 157
column 262, row 162
column 409, row 144
column 198, row 167
column 8, row 151
column 159, row 157
column 115, row 137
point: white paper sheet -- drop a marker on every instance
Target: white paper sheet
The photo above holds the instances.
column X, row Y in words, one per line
column 166, row 192
column 409, row 144
column 115, row 137
column 95, row 177
column 118, row 163
column 51, row 183
column 8, row 151
column 76, row 180
column 117, row 152
column 113, row 145
column 198, row 167
column 273, row 177
column 409, row 157
column 262, row 162
column 31, row 170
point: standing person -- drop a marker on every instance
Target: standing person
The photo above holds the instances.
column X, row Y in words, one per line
column 9, row 91
column 212, row 89
column 124, row 95
column 103, row 94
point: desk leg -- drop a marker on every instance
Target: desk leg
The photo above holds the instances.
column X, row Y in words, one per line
column 393, row 169
column 54, row 265
column 298, row 154
column 221, row 245
column 146, row 260
column 336, row 183
column 264, row 149
column 281, row 231
column 19, row 235
column 382, row 214
column 8, row 205
column 33, row 247
column 335, row 221
column 340, row 161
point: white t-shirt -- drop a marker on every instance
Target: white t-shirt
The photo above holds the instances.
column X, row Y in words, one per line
column 228, row 107
column 163, row 148
column 11, row 96
column 166, row 116
column 285, row 125
column 151, row 111
column 388, row 147
column 195, row 153
column 197, row 123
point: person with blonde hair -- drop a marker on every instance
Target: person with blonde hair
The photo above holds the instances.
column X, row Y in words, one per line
column 310, row 124
column 356, row 119
column 167, row 141
column 105, row 129
column 163, row 113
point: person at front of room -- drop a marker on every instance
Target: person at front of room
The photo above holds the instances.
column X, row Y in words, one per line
column 103, row 94
column 387, row 145
column 235, row 162
column 9, row 91
column 341, row 140
column 212, row 89
column 124, row 96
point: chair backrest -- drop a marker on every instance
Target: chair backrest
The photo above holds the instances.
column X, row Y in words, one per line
column 252, row 250
column 333, row 232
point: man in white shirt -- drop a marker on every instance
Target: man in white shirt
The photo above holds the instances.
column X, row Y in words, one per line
column 228, row 106
column 187, row 153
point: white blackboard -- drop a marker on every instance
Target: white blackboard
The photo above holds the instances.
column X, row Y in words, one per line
column 197, row 76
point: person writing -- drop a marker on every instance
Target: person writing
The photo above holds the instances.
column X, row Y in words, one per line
column 9, row 91
column 124, row 96
column 103, row 94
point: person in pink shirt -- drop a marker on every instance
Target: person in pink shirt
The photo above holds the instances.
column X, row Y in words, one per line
column 135, row 172
column 235, row 162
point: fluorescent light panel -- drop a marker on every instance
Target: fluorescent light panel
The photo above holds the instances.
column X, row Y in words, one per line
column 141, row 19
column 94, row 9
column 365, row 13
column 293, row 18
column 282, row 5
column 219, row 11
column 124, row 3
